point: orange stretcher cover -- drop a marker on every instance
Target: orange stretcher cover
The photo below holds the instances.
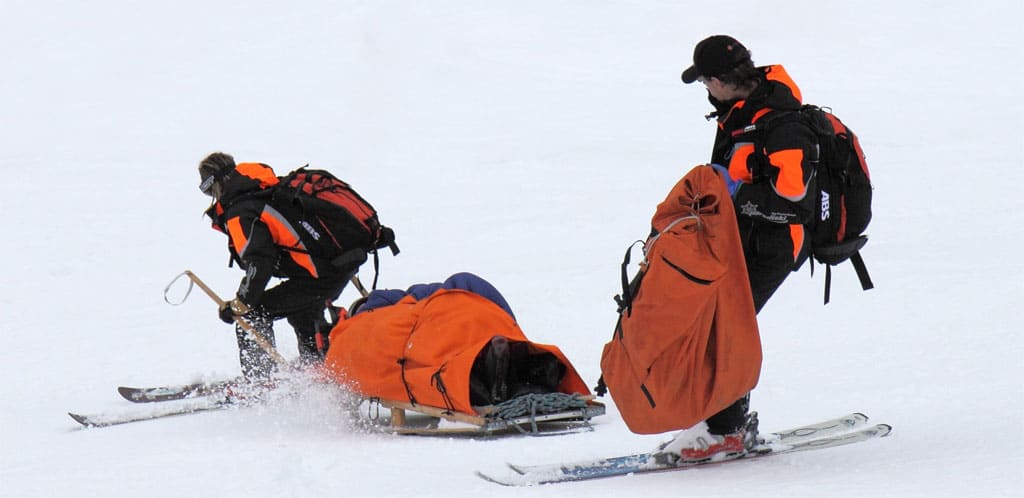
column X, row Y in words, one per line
column 422, row 351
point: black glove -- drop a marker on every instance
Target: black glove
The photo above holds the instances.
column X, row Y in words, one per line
column 758, row 165
column 226, row 314
column 231, row 309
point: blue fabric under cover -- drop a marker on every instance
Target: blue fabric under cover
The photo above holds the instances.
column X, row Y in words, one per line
column 464, row 281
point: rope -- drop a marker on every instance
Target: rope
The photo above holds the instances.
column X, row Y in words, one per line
column 374, row 402
column 439, row 385
column 537, row 404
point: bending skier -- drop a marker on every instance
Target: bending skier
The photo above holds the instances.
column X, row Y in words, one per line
column 269, row 240
column 770, row 193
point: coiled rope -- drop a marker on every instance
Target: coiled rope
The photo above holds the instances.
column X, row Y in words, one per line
column 538, row 404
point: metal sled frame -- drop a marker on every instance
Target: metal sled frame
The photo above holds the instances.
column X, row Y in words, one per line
column 426, row 420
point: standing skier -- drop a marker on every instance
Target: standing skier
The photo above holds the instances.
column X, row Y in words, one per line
column 770, row 192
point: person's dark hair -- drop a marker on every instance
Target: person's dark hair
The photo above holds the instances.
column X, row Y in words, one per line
column 216, row 164
column 744, row 75
column 212, row 171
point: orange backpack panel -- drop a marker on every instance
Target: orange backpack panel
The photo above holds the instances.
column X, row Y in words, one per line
column 686, row 344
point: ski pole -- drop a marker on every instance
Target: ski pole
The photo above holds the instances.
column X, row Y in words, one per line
column 239, row 308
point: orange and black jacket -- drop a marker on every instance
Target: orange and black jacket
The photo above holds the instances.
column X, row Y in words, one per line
column 776, row 175
column 263, row 239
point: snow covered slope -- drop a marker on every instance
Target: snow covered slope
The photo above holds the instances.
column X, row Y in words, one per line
column 527, row 142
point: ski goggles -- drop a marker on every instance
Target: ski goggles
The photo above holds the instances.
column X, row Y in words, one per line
column 206, row 186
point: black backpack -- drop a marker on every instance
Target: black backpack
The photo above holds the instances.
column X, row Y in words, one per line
column 336, row 216
column 843, row 188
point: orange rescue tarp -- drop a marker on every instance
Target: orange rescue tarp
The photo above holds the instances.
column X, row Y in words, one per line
column 422, row 351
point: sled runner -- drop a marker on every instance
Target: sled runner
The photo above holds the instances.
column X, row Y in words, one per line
column 420, row 420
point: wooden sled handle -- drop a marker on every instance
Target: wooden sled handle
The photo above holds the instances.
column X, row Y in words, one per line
column 240, row 309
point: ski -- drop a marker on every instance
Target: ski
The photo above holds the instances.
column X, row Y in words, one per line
column 836, row 432
column 838, row 425
column 830, row 427
column 161, row 411
column 171, row 393
column 185, row 400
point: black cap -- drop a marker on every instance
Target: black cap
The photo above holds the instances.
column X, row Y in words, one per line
column 715, row 56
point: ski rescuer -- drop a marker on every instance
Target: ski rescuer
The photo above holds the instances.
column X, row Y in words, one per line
column 770, row 194
column 265, row 242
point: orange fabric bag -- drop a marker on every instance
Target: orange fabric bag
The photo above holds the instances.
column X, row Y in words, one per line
column 686, row 344
column 422, row 351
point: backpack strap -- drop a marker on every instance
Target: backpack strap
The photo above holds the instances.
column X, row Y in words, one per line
column 376, row 270
column 758, row 134
column 858, row 266
column 771, row 120
column 625, row 300
column 833, row 254
column 386, row 238
column 828, row 283
column 862, row 271
column 356, row 257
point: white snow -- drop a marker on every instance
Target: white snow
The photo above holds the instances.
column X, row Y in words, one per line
column 528, row 142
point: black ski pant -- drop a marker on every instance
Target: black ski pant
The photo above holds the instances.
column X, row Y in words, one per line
column 302, row 302
column 768, row 249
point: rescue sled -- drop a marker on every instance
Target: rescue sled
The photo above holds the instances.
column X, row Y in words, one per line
column 450, row 358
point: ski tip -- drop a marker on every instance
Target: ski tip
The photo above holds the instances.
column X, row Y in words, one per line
column 861, row 416
column 491, row 479
column 80, row 419
column 884, row 430
column 128, row 393
column 515, row 468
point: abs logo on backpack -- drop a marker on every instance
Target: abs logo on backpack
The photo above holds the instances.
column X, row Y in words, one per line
column 309, row 228
column 824, row 206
